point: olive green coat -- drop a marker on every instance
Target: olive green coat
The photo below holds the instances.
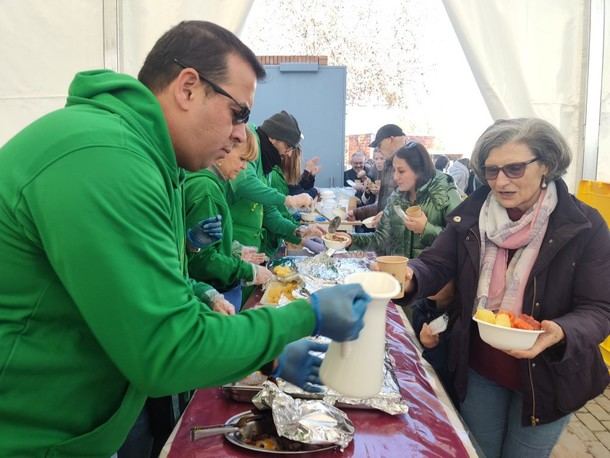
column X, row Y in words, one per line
column 436, row 198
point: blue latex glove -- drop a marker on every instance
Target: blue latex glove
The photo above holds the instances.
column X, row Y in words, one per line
column 340, row 311
column 315, row 244
column 298, row 366
column 205, row 233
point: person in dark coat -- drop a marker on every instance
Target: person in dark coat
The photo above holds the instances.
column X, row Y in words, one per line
column 388, row 140
column 523, row 243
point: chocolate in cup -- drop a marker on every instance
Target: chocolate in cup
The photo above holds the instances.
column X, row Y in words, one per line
column 413, row 211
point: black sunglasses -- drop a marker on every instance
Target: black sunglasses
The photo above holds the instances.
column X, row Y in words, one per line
column 514, row 170
column 240, row 116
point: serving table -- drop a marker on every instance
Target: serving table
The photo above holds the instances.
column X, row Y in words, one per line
column 431, row 428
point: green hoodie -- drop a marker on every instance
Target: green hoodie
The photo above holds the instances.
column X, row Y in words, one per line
column 272, row 240
column 96, row 310
column 254, row 206
column 205, row 197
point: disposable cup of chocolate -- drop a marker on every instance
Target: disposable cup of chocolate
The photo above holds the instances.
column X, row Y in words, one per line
column 414, row 211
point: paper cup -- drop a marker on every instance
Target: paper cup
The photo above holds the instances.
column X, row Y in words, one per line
column 397, row 267
column 414, row 211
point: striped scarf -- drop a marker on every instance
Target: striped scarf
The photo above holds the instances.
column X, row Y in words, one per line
column 502, row 284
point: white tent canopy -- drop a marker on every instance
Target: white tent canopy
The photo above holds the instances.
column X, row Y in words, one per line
column 542, row 59
column 539, row 58
column 44, row 43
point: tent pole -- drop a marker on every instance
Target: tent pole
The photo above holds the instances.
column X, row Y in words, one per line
column 594, row 89
column 111, row 34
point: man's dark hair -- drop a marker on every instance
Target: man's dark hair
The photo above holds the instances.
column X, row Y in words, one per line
column 440, row 163
column 417, row 157
column 200, row 44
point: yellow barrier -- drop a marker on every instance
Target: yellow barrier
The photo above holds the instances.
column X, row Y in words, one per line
column 597, row 194
column 605, row 348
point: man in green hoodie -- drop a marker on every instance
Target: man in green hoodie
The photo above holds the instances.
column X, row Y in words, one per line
column 97, row 312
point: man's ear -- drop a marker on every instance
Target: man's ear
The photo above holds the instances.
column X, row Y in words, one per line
column 185, row 88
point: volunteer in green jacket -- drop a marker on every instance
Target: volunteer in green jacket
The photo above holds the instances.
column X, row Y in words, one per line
column 417, row 183
column 255, row 205
column 252, row 201
column 279, row 136
column 205, row 196
column 97, row 309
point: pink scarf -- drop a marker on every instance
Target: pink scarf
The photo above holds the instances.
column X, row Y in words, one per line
column 502, row 284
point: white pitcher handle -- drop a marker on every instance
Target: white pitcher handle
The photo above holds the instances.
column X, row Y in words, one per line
column 346, row 349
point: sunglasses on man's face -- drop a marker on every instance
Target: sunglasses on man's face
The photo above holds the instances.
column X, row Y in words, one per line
column 514, row 170
column 240, row 116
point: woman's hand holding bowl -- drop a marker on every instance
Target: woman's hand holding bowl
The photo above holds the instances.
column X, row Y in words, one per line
column 553, row 334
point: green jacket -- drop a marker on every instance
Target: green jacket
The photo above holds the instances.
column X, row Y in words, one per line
column 436, row 198
column 278, row 182
column 204, row 196
column 254, row 205
column 97, row 312
column 272, row 240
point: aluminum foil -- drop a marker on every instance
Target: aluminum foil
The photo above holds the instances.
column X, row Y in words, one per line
column 308, row 421
column 322, row 270
column 388, row 400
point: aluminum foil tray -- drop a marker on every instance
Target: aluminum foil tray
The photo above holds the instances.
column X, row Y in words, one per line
column 387, row 400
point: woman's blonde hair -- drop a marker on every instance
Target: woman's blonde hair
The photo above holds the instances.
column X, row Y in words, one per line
column 291, row 166
column 251, row 150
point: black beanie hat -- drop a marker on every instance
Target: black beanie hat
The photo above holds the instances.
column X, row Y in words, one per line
column 283, row 126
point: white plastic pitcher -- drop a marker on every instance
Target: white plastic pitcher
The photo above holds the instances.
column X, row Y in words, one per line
column 355, row 368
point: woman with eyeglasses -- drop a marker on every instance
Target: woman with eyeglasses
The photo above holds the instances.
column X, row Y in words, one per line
column 417, row 184
column 524, row 244
column 205, row 195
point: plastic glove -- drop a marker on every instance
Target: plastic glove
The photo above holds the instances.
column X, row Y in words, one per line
column 313, row 230
column 298, row 201
column 222, row 306
column 340, row 311
column 250, row 254
column 261, row 275
column 205, row 233
column 298, row 366
column 315, row 244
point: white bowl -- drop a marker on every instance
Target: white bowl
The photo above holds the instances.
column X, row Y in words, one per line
column 368, row 222
column 504, row 338
column 327, row 194
column 308, row 217
column 335, row 244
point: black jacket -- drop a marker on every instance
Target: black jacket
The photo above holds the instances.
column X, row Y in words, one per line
column 569, row 284
column 385, row 190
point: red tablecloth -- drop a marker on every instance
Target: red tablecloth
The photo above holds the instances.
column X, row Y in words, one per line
column 425, row 430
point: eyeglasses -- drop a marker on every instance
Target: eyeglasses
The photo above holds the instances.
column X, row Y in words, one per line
column 240, row 116
column 514, row 170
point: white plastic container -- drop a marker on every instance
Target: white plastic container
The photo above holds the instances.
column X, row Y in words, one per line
column 355, row 368
column 504, row 338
